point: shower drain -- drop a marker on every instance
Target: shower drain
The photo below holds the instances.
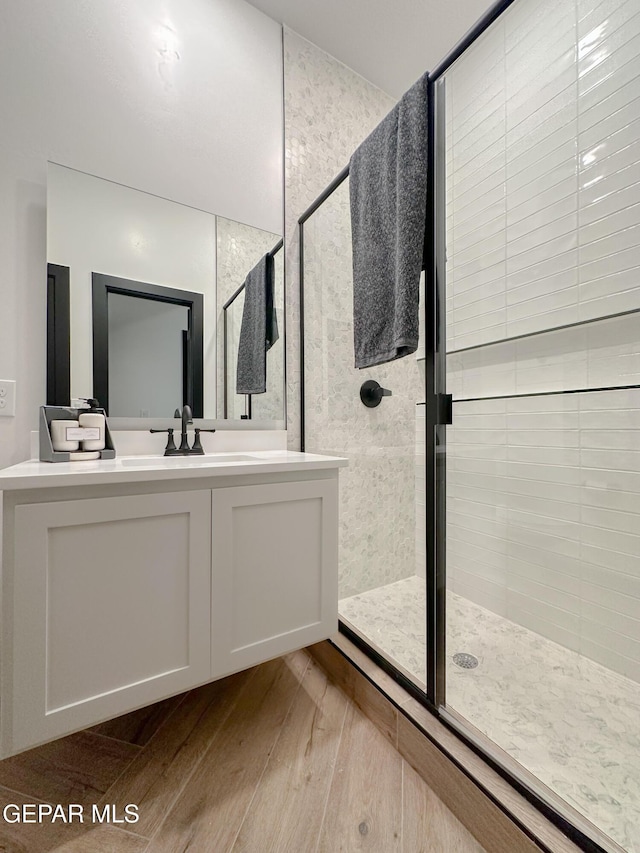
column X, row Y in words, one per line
column 465, row 660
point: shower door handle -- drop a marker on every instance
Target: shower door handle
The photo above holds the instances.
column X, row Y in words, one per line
column 444, row 409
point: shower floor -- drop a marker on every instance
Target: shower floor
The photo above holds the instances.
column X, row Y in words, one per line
column 571, row 722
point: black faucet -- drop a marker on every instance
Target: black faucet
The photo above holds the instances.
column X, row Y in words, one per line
column 184, row 449
column 187, row 418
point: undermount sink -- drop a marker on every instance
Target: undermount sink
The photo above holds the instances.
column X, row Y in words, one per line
column 179, row 461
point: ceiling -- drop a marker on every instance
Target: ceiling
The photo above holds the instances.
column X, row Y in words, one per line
column 390, row 42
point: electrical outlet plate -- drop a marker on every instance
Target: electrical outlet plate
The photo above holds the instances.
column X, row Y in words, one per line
column 7, row 398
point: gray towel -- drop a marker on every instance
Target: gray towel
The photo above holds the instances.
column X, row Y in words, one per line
column 259, row 329
column 388, row 195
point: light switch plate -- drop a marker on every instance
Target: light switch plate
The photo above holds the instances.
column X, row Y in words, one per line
column 7, row 398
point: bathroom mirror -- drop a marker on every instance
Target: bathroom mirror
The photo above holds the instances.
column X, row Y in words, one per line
column 147, row 281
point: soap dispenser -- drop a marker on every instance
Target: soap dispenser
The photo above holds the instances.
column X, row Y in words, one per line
column 93, row 418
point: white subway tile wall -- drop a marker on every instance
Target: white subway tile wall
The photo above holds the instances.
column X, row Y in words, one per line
column 543, row 230
column 543, row 171
column 550, row 539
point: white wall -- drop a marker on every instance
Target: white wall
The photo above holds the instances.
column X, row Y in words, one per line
column 543, row 203
column 183, row 100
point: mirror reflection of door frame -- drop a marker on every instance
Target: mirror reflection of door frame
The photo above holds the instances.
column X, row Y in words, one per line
column 102, row 285
column 58, row 335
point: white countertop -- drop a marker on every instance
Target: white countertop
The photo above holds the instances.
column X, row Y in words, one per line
column 138, row 469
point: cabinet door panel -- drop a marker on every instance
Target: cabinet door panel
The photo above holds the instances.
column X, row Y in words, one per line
column 274, row 578
column 110, row 608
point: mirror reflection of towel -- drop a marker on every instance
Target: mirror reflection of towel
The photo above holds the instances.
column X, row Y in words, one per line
column 259, row 329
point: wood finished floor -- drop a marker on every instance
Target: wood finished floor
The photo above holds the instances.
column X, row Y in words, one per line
column 273, row 760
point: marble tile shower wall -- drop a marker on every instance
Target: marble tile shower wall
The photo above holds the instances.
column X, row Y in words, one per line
column 378, row 504
column 329, row 110
column 543, row 230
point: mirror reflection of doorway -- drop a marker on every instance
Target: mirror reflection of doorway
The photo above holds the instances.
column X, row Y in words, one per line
column 147, row 348
column 148, row 356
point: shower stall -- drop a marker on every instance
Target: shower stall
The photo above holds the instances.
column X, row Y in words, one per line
column 490, row 513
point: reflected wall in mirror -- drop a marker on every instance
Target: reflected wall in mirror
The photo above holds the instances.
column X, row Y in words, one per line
column 122, row 344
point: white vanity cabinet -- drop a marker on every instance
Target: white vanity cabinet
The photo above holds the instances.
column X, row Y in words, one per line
column 120, row 594
column 274, row 570
column 108, row 611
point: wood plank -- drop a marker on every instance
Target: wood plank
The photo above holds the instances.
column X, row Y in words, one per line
column 62, row 837
column 366, row 696
column 427, row 824
column 490, row 826
column 139, row 726
column 209, row 812
column 155, row 777
column 100, row 839
column 364, row 809
column 288, row 808
column 74, row 769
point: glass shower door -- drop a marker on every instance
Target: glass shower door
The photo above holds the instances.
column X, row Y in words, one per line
column 382, row 491
column 539, row 157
